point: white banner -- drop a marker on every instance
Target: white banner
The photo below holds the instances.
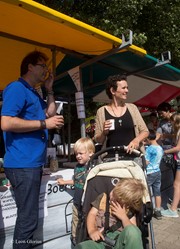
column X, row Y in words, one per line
column 8, row 209
column 75, row 76
column 80, row 105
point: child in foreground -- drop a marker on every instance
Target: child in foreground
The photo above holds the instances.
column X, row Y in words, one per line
column 153, row 155
column 83, row 148
column 125, row 198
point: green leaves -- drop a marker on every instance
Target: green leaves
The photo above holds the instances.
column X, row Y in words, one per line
column 155, row 24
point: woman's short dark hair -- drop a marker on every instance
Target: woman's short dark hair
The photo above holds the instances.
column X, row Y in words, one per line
column 31, row 58
column 112, row 83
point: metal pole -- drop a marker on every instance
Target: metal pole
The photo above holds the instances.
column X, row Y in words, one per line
column 82, row 120
column 69, row 128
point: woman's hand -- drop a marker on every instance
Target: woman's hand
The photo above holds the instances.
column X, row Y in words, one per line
column 133, row 145
column 106, row 127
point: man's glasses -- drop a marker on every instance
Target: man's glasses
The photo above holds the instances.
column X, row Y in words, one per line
column 44, row 66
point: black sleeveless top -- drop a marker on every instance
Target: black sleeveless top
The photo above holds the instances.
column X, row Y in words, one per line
column 124, row 130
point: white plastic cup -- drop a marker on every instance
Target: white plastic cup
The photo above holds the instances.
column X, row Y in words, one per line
column 112, row 124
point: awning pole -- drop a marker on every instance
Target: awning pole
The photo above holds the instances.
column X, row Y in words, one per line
column 50, row 136
column 82, row 120
column 69, row 128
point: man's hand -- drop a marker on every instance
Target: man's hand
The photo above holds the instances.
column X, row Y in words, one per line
column 55, row 122
column 48, row 83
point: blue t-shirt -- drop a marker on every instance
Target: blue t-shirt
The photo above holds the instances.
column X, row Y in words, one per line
column 26, row 149
column 153, row 155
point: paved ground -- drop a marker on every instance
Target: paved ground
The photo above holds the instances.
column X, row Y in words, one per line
column 166, row 233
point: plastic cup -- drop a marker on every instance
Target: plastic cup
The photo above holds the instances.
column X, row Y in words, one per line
column 112, row 124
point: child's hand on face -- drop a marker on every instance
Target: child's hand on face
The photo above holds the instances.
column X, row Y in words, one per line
column 97, row 235
column 118, row 210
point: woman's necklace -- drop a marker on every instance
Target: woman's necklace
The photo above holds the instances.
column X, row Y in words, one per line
column 120, row 120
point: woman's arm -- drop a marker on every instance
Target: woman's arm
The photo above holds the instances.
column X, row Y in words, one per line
column 174, row 149
column 140, row 138
column 141, row 130
column 100, row 136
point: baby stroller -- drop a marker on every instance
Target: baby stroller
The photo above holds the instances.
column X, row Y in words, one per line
column 103, row 176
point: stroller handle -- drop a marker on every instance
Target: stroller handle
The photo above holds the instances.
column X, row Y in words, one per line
column 135, row 152
column 117, row 149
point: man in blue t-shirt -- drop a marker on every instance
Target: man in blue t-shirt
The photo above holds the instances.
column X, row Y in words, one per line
column 153, row 156
column 25, row 118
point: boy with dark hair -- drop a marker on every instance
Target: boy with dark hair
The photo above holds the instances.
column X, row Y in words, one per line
column 153, row 155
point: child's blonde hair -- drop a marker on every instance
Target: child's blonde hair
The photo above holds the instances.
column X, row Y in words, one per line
column 176, row 122
column 130, row 192
column 84, row 143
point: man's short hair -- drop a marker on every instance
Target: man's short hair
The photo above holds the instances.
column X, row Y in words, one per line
column 164, row 107
column 31, row 58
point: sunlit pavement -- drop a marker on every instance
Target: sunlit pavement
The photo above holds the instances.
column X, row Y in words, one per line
column 166, row 233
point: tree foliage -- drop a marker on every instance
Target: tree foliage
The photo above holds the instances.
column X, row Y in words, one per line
column 161, row 24
column 155, row 24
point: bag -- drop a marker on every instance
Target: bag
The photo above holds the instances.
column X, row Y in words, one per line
column 169, row 160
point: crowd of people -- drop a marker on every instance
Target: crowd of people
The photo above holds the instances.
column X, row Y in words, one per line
column 25, row 121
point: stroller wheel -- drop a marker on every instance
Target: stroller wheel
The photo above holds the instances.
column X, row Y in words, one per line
column 146, row 244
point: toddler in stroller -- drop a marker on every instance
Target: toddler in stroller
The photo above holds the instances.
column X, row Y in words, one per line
column 103, row 178
column 124, row 201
